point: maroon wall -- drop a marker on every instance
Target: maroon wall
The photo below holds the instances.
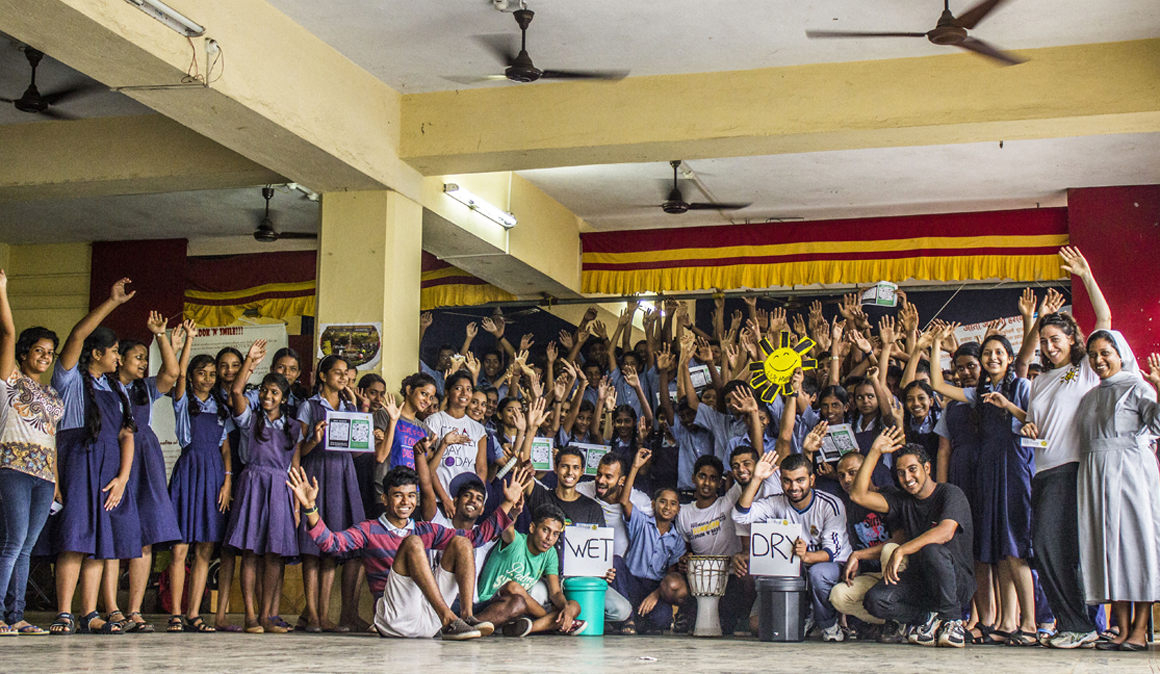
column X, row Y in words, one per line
column 157, row 269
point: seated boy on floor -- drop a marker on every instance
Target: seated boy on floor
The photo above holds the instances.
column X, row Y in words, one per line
column 514, row 566
column 412, row 599
column 654, row 548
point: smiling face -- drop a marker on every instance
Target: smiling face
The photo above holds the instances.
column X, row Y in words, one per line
column 918, row 403
column 135, row 363
column 104, row 361
column 833, row 410
column 400, row 502
column 492, row 401
column 1104, row 358
column 420, row 398
column 227, row 368
column 491, row 365
column 39, row 358
column 609, row 481
column 995, row 360
column 269, row 396
column 709, row 397
column 335, row 379
column 459, row 395
column 477, row 408
column 1055, row 344
column 583, row 422
column 912, row 475
column 967, row 370
column 375, row 394
column 797, row 484
column 569, row 468
column 666, row 506
column 204, row 378
column 707, row 482
column 469, row 504
column 623, row 426
column 742, row 466
column 288, row 367
column 510, row 411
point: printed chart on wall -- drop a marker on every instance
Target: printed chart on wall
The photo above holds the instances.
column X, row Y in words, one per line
column 362, row 343
column 209, row 341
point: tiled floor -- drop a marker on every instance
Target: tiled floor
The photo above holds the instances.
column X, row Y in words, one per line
column 292, row 653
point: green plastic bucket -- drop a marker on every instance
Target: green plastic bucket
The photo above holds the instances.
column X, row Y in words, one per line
column 589, row 593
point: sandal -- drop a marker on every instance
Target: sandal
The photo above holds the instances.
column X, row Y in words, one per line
column 229, row 629
column 30, row 630
column 174, row 625
column 987, row 636
column 1110, row 634
column 196, row 624
column 8, row 631
column 277, row 620
column 1021, row 638
column 65, row 621
column 628, row 628
column 141, row 626
column 87, row 621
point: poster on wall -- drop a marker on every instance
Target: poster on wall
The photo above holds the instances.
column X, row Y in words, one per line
column 362, row 343
column 1011, row 328
column 209, row 341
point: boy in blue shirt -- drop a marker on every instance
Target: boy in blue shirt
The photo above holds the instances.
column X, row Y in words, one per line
column 654, row 546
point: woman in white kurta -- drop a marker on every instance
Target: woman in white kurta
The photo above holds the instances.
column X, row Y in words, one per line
column 1119, row 489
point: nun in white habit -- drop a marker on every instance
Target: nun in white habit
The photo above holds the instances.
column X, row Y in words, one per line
column 1119, row 489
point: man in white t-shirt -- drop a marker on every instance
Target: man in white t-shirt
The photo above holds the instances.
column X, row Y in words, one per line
column 824, row 544
column 706, row 524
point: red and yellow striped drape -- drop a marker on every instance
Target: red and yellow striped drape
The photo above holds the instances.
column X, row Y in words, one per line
column 277, row 285
column 1018, row 245
column 443, row 285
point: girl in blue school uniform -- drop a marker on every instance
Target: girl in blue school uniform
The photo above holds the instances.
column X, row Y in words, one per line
column 158, row 519
column 95, row 452
column 227, row 363
column 340, row 506
column 202, row 480
column 262, row 517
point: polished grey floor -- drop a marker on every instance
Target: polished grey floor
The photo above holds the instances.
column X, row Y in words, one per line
column 292, row 653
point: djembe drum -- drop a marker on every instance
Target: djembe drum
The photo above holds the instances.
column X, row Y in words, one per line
column 707, row 576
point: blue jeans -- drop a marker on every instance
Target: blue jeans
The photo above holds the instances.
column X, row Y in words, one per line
column 24, row 504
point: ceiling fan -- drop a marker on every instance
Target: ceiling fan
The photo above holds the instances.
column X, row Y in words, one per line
column 34, row 102
column 950, row 32
column 266, row 232
column 519, row 67
column 675, row 203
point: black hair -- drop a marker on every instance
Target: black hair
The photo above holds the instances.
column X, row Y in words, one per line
column 196, row 363
column 1034, row 367
column 912, row 449
column 933, row 414
column 1105, row 336
column 587, row 406
column 370, row 379
column 283, row 385
column 101, row 339
column 454, row 378
column 1066, row 324
column 834, row 391
column 810, row 386
column 492, row 352
column 729, row 387
column 399, row 476
column 971, row 349
column 138, row 395
column 569, row 450
column 416, row 381
column 220, row 395
column 894, row 371
column 592, row 363
column 660, row 490
column 743, row 449
column 709, row 460
column 1006, row 387
column 614, row 457
column 548, row 511
column 30, row 336
column 797, row 462
column 475, row 485
column 326, row 365
column 923, row 366
column 877, row 424
column 286, row 352
column 502, row 404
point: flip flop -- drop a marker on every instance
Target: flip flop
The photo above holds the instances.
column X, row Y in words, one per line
column 31, row 631
column 8, row 631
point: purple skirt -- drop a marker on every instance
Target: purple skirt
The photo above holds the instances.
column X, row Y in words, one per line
column 339, row 501
column 84, row 525
column 197, row 478
column 261, row 516
column 154, row 507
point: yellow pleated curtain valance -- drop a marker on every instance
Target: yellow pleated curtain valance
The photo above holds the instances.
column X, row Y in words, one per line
column 277, row 285
column 1019, row 245
column 442, row 285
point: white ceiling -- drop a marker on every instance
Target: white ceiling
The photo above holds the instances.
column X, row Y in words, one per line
column 410, row 45
column 190, row 215
column 859, row 183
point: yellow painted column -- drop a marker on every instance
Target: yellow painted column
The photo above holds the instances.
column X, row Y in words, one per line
column 369, row 262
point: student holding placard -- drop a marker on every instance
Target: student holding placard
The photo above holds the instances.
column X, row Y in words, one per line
column 824, row 545
column 654, row 548
column 928, row 580
column 341, row 500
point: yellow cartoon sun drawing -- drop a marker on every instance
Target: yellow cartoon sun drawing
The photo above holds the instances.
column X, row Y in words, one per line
column 772, row 376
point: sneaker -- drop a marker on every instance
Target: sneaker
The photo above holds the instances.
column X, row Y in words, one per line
column 577, row 625
column 811, row 629
column 952, row 634
column 457, row 630
column 1069, row 640
column 520, row 627
column 681, row 622
column 893, row 633
column 925, row 634
column 485, row 628
column 833, row 633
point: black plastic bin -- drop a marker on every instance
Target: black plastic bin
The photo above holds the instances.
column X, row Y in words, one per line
column 781, row 608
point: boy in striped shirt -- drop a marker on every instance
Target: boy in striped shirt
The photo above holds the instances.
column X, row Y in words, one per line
column 412, row 598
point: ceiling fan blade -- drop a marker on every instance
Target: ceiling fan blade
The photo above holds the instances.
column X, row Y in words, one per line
column 7, row 100
column 584, row 75
column 296, row 235
column 73, row 94
column 474, row 80
column 974, row 15
column 718, row 207
column 57, row 114
column 857, row 33
column 980, row 47
column 501, row 45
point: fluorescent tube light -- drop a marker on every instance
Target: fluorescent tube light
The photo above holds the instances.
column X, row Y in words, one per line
column 169, row 16
column 493, row 213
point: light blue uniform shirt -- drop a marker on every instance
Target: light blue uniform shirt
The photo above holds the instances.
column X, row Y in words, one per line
column 692, row 444
column 71, row 387
column 650, row 553
column 183, row 427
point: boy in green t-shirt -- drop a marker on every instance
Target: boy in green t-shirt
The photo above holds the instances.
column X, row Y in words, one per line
column 516, row 564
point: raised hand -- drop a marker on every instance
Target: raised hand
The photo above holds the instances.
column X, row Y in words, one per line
column 626, row 316
column 890, row 440
column 1027, row 304
column 837, row 329
column 566, row 339
column 426, row 319
column 762, row 320
column 704, row 351
column 177, row 337
column 799, row 326
column 305, row 492
column 156, row 323
column 589, row 315
column 765, row 466
column 908, row 318
column 1153, row 374
column 560, row 387
column 642, row 428
column 514, row 491
column 392, row 407
column 777, row 321
column 861, row 342
column 551, row 352
column 732, row 356
column 118, row 294
column 521, row 361
column 473, row 365
column 630, row 376
column 1074, row 262
column 642, row 456
column 742, row 398
column 472, row 330
column 995, row 327
column 886, row 329
column 664, row 358
column 526, row 342
column 493, row 326
column 536, row 413
column 257, row 351
column 599, row 329
column 1052, row 303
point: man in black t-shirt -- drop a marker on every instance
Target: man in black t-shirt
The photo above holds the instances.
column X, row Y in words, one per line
column 938, row 579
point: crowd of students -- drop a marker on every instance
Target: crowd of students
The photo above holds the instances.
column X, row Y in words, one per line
column 1000, row 501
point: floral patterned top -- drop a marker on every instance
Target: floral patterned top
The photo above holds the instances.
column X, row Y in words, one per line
column 28, row 420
